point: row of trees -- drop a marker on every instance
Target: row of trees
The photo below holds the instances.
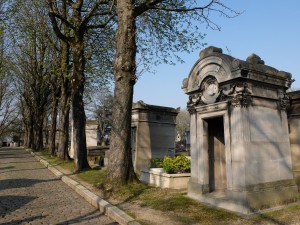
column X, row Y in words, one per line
column 58, row 50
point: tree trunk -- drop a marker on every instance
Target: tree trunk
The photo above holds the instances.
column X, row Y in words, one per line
column 26, row 135
column 78, row 114
column 65, row 102
column 40, row 144
column 31, row 143
column 52, row 135
column 38, row 132
column 62, row 151
column 120, row 166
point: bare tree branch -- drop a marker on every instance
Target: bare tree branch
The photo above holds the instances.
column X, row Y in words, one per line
column 103, row 25
column 93, row 10
column 56, row 29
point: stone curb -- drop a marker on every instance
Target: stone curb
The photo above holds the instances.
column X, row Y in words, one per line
column 104, row 207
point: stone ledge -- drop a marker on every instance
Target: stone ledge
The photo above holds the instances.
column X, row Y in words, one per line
column 55, row 171
column 158, row 178
column 118, row 215
column 247, row 203
column 104, row 207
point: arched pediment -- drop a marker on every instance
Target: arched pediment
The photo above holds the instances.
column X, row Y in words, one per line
column 212, row 63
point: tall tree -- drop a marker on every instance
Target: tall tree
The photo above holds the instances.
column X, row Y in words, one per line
column 169, row 26
column 8, row 109
column 120, row 166
column 32, row 59
column 83, row 16
column 8, row 102
column 55, row 88
column 65, row 91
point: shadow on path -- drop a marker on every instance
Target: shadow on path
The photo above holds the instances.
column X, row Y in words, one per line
column 10, row 203
column 41, row 168
column 83, row 218
column 23, row 221
column 19, row 183
column 12, row 157
column 6, row 167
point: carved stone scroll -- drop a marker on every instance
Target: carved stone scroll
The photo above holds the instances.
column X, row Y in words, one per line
column 284, row 100
column 241, row 95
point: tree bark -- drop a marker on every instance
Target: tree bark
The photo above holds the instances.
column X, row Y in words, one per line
column 78, row 114
column 52, row 135
column 65, row 102
column 38, row 132
column 62, row 151
column 120, row 166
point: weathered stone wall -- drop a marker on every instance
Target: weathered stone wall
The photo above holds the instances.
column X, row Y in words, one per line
column 155, row 133
column 294, row 131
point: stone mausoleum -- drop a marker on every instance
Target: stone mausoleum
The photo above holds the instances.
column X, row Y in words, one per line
column 240, row 144
column 153, row 132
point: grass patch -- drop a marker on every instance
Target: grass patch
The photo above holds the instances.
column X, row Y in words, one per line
column 128, row 192
column 277, row 216
column 67, row 164
column 182, row 208
column 93, row 176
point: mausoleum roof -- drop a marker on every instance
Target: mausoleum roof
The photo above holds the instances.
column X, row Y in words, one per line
column 223, row 67
column 140, row 105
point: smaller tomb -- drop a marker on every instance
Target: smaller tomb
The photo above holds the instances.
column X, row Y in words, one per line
column 92, row 133
column 153, row 133
column 240, row 146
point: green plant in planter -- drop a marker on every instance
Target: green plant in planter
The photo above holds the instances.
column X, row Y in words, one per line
column 168, row 165
column 182, row 164
column 179, row 164
column 156, row 163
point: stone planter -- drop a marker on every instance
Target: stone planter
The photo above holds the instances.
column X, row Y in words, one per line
column 156, row 177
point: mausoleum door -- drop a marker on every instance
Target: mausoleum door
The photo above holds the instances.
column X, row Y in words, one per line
column 216, row 153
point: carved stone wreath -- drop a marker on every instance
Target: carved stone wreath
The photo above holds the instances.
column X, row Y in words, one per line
column 210, row 90
column 209, row 93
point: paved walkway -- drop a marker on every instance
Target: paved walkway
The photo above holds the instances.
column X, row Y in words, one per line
column 31, row 194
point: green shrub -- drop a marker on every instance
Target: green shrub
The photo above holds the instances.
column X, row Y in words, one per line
column 182, row 164
column 168, row 165
column 156, row 163
column 179, row 164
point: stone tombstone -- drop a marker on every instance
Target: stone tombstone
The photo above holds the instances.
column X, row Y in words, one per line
column 240, row 147
column 294, row 129
column 153, row 133
column 91, row 132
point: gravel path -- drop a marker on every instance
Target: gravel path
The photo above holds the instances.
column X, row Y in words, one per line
column 30, row 194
